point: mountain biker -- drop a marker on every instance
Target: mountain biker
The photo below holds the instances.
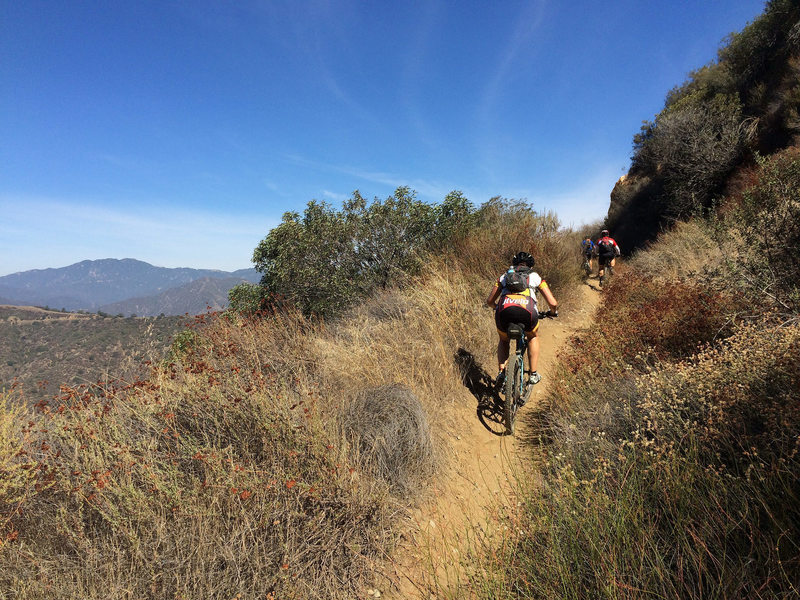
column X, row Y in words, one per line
column 587, row 249
column 519, row 307
column 607, row 253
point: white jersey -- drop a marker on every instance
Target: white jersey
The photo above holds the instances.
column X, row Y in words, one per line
column 534, row 281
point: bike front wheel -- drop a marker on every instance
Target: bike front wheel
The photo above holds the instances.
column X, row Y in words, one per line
column 513, row 390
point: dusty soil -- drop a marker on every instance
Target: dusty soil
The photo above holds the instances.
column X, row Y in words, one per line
column 464, row 509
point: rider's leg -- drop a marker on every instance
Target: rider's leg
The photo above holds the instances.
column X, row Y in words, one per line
column 503, row 346
column 533, row 352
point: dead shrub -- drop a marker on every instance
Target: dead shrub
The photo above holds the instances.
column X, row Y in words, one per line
column 390, row 436
column 505, row 228
column 687, row 249
column 644, row 315
column 766, row 220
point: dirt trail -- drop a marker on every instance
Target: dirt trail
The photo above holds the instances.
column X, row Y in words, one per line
column 465, row 505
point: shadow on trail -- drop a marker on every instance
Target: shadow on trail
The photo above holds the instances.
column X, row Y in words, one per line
column 481, row 385
column 595, row 285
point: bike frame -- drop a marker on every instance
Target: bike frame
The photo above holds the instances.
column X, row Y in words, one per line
column 516, row 379
column 519, row 354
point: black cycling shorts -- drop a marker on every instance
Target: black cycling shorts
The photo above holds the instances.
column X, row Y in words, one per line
column 605, row 259
column 516, row 314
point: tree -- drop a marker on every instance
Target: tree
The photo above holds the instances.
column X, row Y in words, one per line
column 310, row 260
column 246, row 298
column 390, row 235
column 328, row 259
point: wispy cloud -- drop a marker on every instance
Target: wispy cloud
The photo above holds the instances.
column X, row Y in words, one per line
column 528, row 22
column 429, row 190
column 334, row 196
column 489, row 112
column 416, row 65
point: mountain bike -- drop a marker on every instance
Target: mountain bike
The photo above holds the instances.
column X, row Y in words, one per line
column 516, row 388
column 587, row 268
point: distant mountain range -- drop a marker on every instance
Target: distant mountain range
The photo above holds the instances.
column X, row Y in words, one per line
column 125, row 286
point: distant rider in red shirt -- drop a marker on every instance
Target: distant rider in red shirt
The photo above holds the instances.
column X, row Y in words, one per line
column 607, row 253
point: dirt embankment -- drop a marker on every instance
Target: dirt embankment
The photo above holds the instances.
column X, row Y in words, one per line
column 464, row 509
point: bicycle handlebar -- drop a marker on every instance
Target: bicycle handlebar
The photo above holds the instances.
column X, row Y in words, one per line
column 548, row 314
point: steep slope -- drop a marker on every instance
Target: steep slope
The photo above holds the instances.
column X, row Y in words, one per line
column 194, row 298
column 727, row 113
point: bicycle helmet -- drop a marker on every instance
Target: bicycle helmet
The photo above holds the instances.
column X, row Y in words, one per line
column 522, row 257
column 604, row 233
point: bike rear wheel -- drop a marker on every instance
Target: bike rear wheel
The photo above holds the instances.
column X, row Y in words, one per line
column 513, row 390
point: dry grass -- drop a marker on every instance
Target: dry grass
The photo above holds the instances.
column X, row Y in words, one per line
column 219, row 475
column 681, row 483
column 686, row 250
column 274, row 457
column 407, row 341
column 488, row 251
column 390, row 436
column 673, row 447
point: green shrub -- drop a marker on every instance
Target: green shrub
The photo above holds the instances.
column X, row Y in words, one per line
column 183, row 344
column 246, row 298
column 328, row 259
column 310, row 260
column 752, row 54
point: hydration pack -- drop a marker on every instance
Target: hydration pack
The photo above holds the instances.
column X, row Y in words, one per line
column 516, row 280
column 605, row 246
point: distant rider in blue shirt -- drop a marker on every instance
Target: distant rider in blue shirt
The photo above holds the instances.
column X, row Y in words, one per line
column 587, row 249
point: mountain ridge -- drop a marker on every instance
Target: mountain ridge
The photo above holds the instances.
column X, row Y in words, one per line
column 195, row 297
column 91, row 285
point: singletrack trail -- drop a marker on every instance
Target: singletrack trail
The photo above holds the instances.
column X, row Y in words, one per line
column 463, row 513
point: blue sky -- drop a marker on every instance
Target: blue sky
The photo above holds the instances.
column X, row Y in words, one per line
column 179, row 132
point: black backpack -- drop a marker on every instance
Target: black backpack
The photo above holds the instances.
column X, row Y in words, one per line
column 517, row 280
column 606, row 247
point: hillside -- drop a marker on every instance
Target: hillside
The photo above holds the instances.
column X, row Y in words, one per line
column 195, row 297
column 43, row 349
column 90, row 284
column 292, row 448
column 669, row 465
column 743, row 105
